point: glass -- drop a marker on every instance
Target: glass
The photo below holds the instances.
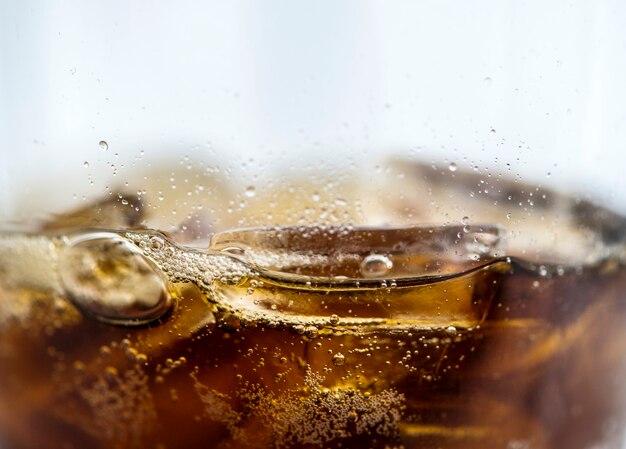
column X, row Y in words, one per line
column 298, row 225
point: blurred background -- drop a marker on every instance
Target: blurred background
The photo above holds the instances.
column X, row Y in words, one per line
column 92, row 94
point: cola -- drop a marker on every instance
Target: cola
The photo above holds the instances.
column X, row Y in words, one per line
column 500, row 329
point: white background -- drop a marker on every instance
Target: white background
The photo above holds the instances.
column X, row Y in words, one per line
column 308, row 84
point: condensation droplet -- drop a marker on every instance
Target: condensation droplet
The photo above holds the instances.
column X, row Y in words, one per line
column 103, row 145
column 465, row 222
column 85, row 164
column 339, row 359
column 250, row 191
column 376, row 265
column 108, row 278
column 452, row 166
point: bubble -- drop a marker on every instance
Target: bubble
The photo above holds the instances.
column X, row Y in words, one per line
column 235, row 250
column 107, row 277
column 250, row 191
column 452, row 167
column 333, row 319
column 86, row 164
column 376, row 265
column 103, row 145
column 156, row 242
column 451, row 330
column 311, row 331
column 339, row 359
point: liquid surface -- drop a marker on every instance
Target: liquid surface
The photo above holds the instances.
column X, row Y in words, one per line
column 433, row 336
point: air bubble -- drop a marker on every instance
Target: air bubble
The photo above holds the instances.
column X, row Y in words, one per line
column 108, row 278
column 156, row 242
column 235, row 250
column 376, row 265
column 103, row 145
column 339, row 359
column 334, row 319
column 452, row 167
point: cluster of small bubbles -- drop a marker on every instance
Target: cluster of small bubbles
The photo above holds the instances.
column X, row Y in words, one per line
column 376, row 265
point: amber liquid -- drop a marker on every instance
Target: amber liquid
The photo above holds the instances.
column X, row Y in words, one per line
column 544, row 368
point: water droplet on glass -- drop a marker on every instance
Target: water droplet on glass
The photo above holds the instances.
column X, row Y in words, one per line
column 103, row 145
column 85, row 164
column 452, row 166
column 250, row 191
column 339, row 359
column 108, row 278
column 465, row 223
column 376, row 265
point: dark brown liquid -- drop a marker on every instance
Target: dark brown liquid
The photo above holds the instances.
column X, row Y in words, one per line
column 544, row 368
